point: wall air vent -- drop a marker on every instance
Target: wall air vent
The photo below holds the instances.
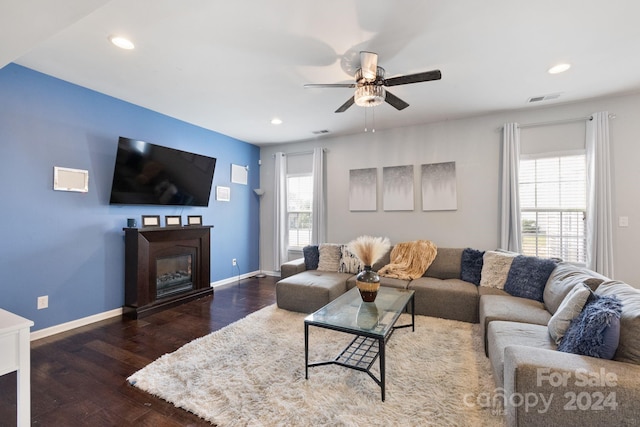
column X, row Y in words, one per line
column 544, row 97
column 320, row 132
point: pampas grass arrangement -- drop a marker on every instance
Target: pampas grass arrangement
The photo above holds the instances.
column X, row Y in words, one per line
column 369, row 249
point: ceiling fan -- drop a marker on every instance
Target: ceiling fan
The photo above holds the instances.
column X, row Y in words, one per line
column 370, row 84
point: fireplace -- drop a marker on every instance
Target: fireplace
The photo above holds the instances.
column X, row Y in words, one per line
column 173, row 275
column 165, row 267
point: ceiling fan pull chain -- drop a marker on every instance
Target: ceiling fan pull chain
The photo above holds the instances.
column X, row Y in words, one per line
column 373, row 120
column 365, row 120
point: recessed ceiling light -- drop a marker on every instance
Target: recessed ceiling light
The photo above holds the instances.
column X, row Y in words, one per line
column 122, row 42
column 560, row 68
column 276, row 121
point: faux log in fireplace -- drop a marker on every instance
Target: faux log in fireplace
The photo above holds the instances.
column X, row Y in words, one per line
column 165, row 267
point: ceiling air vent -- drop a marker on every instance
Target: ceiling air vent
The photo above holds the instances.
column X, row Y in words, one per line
column 320, row 132
column 544, row 97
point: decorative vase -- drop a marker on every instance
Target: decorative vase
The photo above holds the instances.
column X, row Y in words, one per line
column 368, row 283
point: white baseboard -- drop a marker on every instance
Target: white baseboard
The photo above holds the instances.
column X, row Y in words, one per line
column 63, row 327
column 224, row 283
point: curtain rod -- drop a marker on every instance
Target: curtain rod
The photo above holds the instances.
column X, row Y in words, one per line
column 556, row 122
column 299, row 153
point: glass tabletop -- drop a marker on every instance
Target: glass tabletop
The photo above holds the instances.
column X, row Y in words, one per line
column 350, row 314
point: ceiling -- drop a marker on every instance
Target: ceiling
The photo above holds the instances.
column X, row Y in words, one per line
column 232, row 66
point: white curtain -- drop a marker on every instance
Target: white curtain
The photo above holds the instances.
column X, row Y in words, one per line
column 599, row 217
column 280, row 214
column 318, row 220
column 510, row 198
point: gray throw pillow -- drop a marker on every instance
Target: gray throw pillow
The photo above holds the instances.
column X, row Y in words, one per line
column 569, row 309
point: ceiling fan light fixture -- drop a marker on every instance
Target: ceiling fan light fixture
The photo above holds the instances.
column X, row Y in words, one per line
column 560, row 68
column 369, row 95
column 122, row 42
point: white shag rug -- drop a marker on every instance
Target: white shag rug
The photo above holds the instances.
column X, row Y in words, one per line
column 251, row 373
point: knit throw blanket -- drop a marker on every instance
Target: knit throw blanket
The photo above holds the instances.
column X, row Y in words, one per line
column 409, row 260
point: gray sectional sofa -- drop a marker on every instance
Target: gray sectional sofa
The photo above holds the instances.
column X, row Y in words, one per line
column 542, row 386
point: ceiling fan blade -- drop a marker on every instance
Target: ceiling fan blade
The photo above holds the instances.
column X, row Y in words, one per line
column 413, row 78
column 321, row 85
column 346, row 105
column 394, row 101
column 369, row 65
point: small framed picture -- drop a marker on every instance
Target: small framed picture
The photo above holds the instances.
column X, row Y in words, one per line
column 172, row 220
column 194, row 220
column 223, row 194
column 151, row 220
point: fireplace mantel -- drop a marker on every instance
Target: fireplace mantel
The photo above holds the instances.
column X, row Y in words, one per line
column 144, row 247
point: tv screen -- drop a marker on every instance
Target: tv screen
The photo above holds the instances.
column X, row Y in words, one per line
column 148, row 174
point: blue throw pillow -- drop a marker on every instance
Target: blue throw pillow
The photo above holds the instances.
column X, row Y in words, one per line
column 528, row 276
column 311, row 257
column 596, row 330
column 471, row 266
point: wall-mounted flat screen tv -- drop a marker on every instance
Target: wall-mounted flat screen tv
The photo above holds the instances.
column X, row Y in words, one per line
column 149, row 174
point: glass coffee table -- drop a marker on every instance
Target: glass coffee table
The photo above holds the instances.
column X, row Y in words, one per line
column 372, row 323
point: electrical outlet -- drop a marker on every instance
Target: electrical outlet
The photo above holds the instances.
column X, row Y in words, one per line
column 234, row 262
column 43, row 302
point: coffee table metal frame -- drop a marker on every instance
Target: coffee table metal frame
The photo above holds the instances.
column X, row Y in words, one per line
column 377, row 323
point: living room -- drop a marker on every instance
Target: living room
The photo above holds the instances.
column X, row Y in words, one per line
column 69, row 246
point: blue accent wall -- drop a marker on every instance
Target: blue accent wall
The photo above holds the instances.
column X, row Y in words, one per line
column 70, row 246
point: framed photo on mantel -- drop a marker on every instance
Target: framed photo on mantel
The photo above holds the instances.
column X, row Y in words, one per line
column 151, row 220
column 172, row 220
column 194, row 220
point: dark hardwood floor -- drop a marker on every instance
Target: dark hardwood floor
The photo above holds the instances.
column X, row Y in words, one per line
column 78, row 378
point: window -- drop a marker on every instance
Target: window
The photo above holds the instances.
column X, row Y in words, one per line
column 299, row 202
column 553, row 203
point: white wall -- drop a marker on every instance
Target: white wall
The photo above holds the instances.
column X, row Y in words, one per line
column 474, row 144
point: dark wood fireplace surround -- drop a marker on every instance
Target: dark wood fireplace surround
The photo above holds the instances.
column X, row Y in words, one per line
column 144, row 246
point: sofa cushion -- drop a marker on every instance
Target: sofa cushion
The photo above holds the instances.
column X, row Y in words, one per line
column 452, row 299
column 569, row 309
column 388, row 282
column 446, row 264
column 629, row 345
column 528, row 276
column 503, row 334
column 495, row 268
column 562, row 279
column 596, row 331
column 311, row 257
column 509, row 308
column 329, row 257
column 471, row 266
column 310, row 290
column 349, row 262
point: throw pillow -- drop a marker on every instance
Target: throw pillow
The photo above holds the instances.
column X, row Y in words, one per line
column 596, row 331
column 311, row 257
column 349, row 263
column 471, row 266
column 495, row 268
column 528, row 276
column 629, row 346
column 569, row 309
column 329, row 257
